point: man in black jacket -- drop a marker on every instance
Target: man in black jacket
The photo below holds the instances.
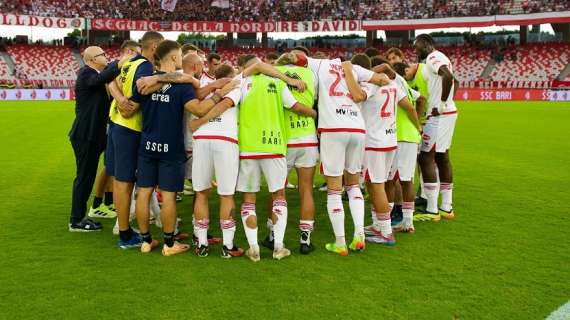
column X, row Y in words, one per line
column 88, row 133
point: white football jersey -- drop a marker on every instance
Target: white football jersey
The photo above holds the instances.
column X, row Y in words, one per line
column 337, row 111
column 222, row 127
column 379, row 112
column 434, row 61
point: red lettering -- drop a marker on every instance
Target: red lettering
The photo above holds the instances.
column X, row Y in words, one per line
column 47, row 22
column 61, row 23
column 315, row 26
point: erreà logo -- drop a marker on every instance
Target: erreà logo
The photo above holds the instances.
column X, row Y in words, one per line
column 271, row 88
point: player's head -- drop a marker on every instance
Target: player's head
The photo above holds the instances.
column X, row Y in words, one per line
column 271, row 58
column 95, row 57
column 192, row 64
column 130, row 48
column 246, row 60
column 320, row 55
column 168, row 55
column 214, row 61
column 371, row 52
column 377, row 60
column 224, row 71
column 189, row 48
column 423, row 45
column 149, row 43
column 405, row 70
column 395, row 55
column 301, row 50
column 362, row 60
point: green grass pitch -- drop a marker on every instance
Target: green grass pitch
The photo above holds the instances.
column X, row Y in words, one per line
column 506, row 256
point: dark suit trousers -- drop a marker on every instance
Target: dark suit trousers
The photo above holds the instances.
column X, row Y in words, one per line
column 87, row 155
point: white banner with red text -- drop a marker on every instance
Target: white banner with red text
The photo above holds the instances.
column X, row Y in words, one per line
column 36, row 94
column 45, row 22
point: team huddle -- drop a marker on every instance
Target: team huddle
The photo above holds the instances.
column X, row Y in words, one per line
column 368, row 120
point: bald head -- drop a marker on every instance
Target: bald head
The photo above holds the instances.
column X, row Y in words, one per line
column 95, row 57
column 192, row 64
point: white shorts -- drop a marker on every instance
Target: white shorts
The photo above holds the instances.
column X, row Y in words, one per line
column 377, row 165
column 188, row 164
column 438, row 133
column 405, row 161
column 217, row 159
column 304, row 157
column 274, row 170
column 341, row 151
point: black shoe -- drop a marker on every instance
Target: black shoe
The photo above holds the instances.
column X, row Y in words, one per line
column 269, row 244
column 85, row 225
column 306, row 248
column 420, row 202
column 230, row 253
column 202, row 251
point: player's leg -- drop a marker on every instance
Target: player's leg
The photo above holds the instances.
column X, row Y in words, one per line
column 249, row 183
column 275, row 173
column 396, row 208
column 143, row 217
column 406, row 168
column 333, row 150
column 428, row 169
column 108, row 200
column 353, row 165
column 203, row 173
column 445, row 135
column 170, row 182
column 226, row 167
column 99, row 209
column 307, row 216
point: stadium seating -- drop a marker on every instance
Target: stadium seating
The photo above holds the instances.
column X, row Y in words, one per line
column 285, row 10
column 5, row 73
column 532, row 63
column 39, row 62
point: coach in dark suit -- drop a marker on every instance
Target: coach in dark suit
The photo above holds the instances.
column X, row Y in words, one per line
column 88, row 133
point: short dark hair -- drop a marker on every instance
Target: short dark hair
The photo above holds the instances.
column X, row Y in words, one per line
column 362, row 60
column 425, row 38
column 377, row 60
column 272, row 56
column 395, row 51
column 371, row 52
column 149, row 38
column 400, row 68
column 164, row 48
column 129, row 44
column 223, row 71
column 189, row 47
column 302, row 48
column 213, row 56
column 244, row 59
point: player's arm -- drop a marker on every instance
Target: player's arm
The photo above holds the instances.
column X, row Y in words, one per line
column 455, row 85
column 201, row 108
column 421, row 103
column 216, row 111
column 365, row 75
column 204, row 91
column 269, row 70
column 385, row 69
column 405, row 104
column 289, row 102
column 358, row 95
column 447, row 83
column 150, row 84
column 108, row 74
column 125, row 106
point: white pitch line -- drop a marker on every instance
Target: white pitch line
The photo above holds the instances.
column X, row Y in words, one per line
column 562, row 313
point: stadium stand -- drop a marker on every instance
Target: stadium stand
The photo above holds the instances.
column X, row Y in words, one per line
column 289, row 10
column 40, row 62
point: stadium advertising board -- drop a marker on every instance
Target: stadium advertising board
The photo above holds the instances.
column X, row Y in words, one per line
column 511, row 95
column 35, row 94
column 237, row 27
column 45, row 22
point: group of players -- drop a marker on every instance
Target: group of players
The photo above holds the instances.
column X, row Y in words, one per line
column 173, row 120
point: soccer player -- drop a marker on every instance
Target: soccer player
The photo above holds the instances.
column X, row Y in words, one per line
column 438, row 130
column 379, row 112
column 342, row 131
column 270, row 58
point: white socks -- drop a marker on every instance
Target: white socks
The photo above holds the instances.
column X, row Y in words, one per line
column 431, row 193
column 384, row 223
column 201, row 231
column 280, row 211
column 306, row 226
column 248, row 210
column 228, row 232
column 408, row 210
column 446, row 190
column 356, row 204
column 335, row 210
